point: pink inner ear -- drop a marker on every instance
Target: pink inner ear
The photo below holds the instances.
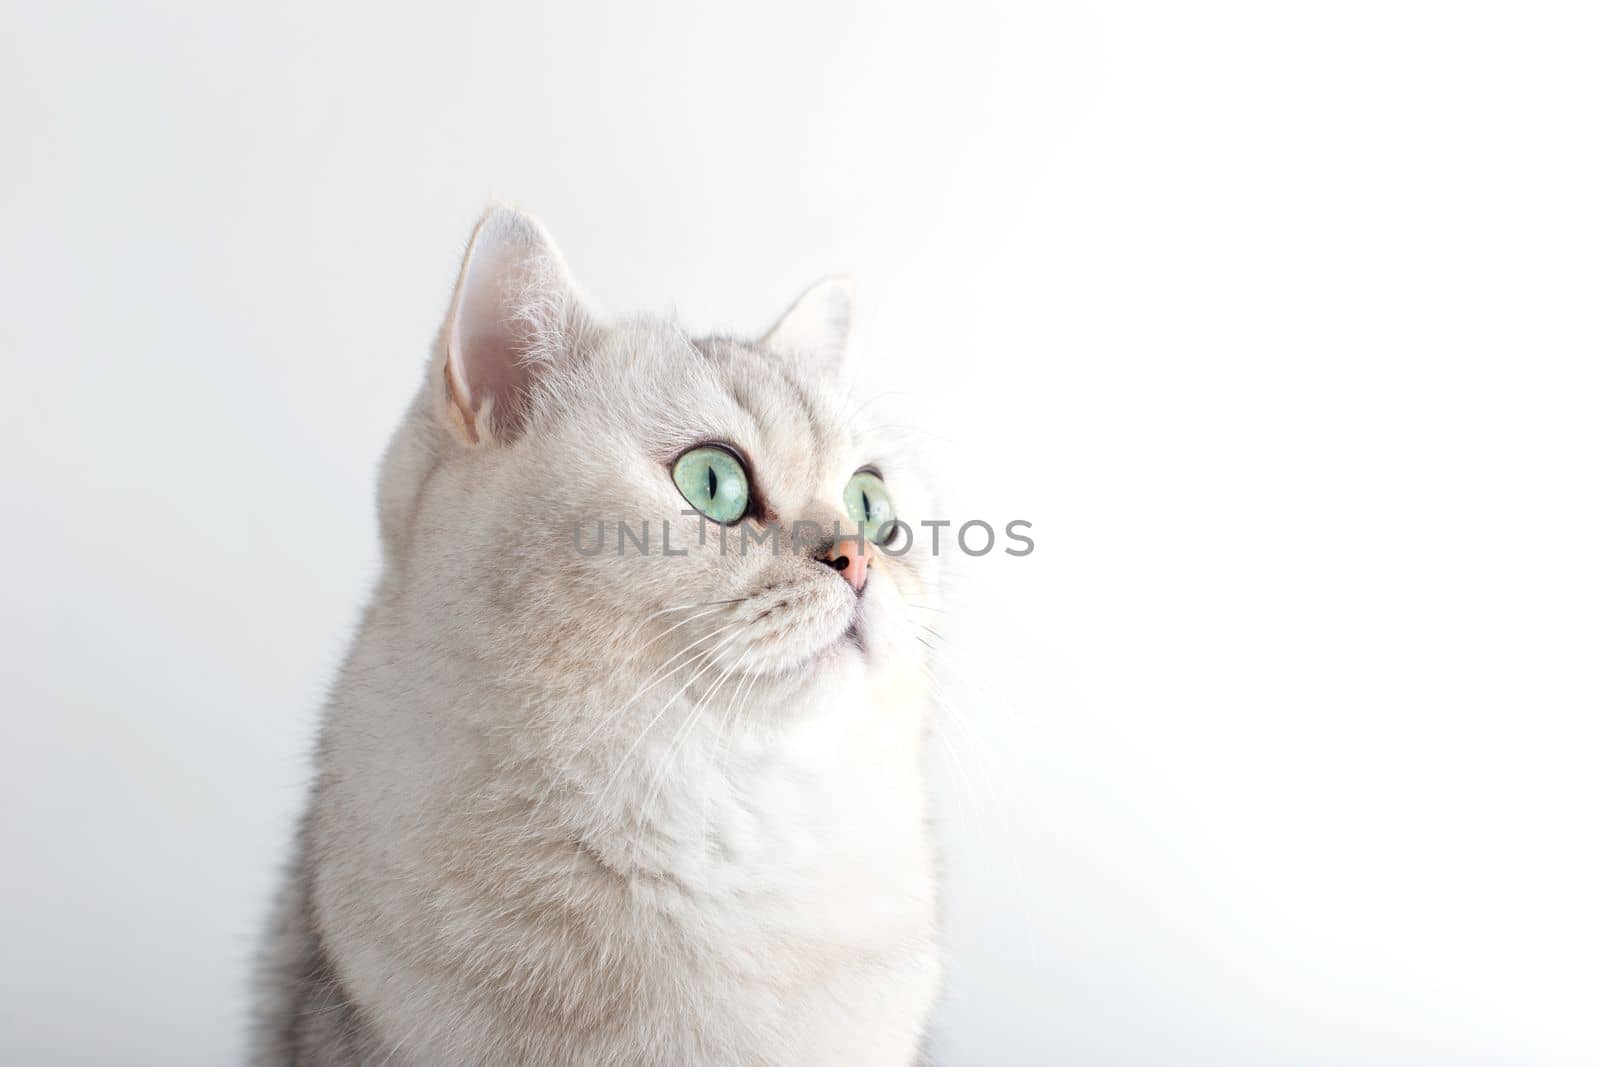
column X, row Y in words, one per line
column 496, row 380
column 494, row 368
column 487, row 372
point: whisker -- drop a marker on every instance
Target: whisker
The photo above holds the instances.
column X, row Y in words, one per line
column 674, row 626
column 699, row 604
column 726, row 734
column 680, row 737
column 661, row 674
column 656, row 679
column 617, row 771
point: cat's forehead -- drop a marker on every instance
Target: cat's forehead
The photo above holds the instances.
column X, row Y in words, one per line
column 789, row 419
column 789, row 402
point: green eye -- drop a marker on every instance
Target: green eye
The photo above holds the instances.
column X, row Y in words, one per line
column 714, row 481
column 866, row 500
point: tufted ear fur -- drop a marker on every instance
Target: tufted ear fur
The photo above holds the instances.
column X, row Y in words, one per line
column 817, row 327
column 513, row 317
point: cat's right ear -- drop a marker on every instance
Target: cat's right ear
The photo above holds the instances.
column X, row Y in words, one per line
column 818, row 325
column 514, row 317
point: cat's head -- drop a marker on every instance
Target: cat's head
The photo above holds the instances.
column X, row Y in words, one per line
column 573, row 500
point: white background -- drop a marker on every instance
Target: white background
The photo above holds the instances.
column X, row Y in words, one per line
column 1278, row 321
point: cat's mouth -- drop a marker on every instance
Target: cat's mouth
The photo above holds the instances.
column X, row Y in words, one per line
column 789, row 625
column 852, row 632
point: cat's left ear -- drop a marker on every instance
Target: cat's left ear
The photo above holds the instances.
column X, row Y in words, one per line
column 817, row 328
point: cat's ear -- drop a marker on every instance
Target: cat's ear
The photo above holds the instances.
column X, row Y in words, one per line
column 513, row 318
column 817, row 327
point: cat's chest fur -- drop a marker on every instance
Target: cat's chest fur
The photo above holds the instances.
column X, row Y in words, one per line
column 718, row 894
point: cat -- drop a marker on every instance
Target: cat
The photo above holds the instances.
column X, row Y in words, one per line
column 660, row 803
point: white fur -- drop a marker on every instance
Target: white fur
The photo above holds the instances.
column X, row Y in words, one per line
column 575, row 809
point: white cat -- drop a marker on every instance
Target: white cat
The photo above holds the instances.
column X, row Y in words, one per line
column 585, row 801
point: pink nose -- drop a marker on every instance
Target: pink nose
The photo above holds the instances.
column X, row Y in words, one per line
column 849, row 558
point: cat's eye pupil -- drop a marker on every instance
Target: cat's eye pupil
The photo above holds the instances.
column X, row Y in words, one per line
column 711, row 483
